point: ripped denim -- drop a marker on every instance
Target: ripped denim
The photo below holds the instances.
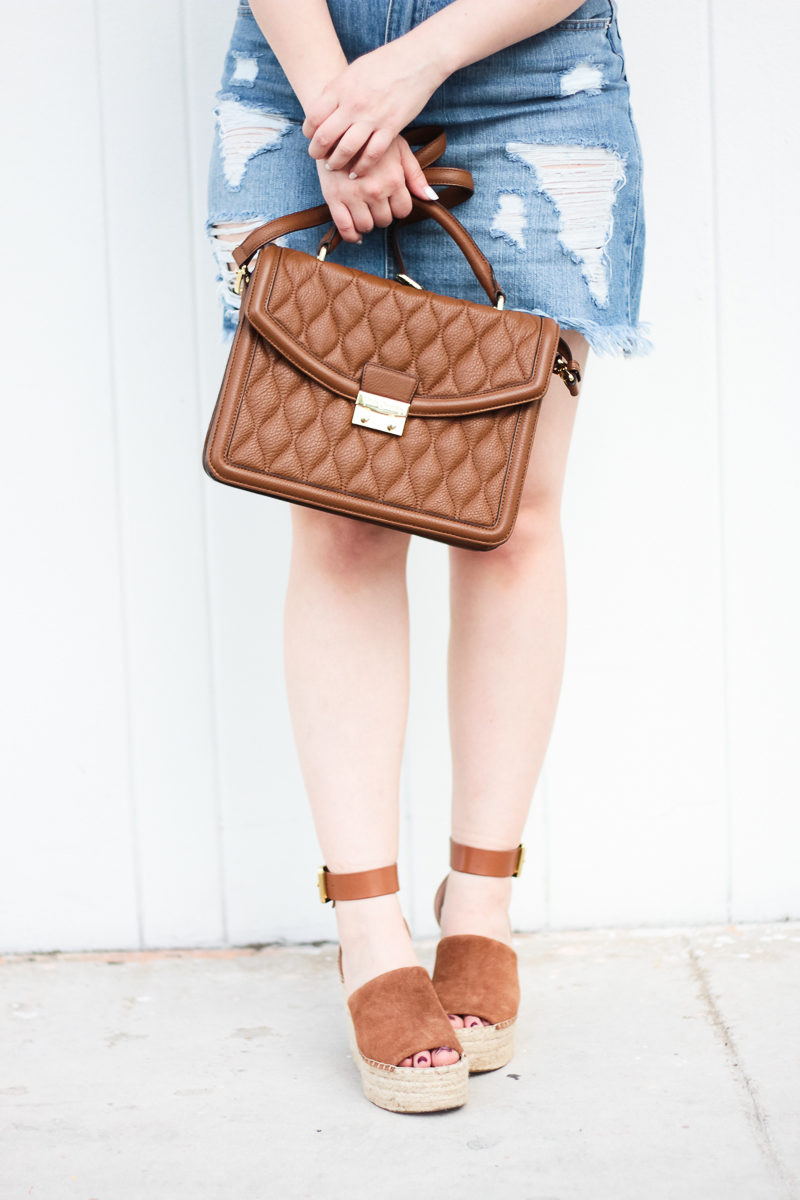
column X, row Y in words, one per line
column 545, row 127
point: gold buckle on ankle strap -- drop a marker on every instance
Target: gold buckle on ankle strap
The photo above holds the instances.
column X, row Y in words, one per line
column 322, row 886
column 520, row 860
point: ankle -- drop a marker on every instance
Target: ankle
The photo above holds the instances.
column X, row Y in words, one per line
column 477, row 904
column 374, row 938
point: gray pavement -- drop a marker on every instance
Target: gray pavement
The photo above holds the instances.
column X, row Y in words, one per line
column 651, row 1064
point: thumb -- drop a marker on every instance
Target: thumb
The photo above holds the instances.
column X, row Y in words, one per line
column 416, row 182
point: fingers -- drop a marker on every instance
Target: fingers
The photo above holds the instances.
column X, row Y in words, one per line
column 328, row 134
column 355, row 217
column 349, row 147
column 318, row 112
column 373, row 151
column 401, row 203
column 375, row 199
column 415, row 179
column 381, row 213
column 344, row 221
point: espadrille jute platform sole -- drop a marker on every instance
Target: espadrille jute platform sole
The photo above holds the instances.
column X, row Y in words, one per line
column 488, row 1047
column 410, row 1089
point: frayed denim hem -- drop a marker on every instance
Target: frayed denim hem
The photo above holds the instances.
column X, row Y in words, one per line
column 630, row 341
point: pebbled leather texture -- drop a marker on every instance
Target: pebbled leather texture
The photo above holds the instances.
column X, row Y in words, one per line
column 311, row 333
column 330, row 320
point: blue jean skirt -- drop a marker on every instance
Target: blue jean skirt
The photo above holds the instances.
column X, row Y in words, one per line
column 544, row 126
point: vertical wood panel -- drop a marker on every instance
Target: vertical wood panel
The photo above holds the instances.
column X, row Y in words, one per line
column 270, row 849
column 115, row 535
column 67, row 847
column 635, row 773
column 152, row 322
column 758, row 164
column 427, row 778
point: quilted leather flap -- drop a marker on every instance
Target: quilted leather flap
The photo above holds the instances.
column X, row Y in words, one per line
column 330, row 321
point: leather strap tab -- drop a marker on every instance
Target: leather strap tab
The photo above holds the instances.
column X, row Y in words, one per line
column 500, row 863
column 357, row 885
column 385, row 381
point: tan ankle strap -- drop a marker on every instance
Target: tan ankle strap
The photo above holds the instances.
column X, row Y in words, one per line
column 358, row 885
column 472, row 861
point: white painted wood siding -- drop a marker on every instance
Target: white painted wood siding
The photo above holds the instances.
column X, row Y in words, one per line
column 150, row 791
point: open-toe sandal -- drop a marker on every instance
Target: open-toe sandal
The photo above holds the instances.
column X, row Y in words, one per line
column 477, row 975
column 394, row 1016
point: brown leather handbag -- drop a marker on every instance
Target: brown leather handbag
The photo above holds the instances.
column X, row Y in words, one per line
column 378, row 400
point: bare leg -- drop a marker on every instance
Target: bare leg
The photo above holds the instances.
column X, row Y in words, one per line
column 506, row 656
column 346, row 651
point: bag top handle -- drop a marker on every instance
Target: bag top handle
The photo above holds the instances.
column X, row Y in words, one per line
column 458, row 185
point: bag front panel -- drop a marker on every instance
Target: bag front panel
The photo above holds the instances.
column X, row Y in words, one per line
column 287, row 426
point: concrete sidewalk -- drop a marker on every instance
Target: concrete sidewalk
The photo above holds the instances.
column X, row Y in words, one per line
column 651, row 1064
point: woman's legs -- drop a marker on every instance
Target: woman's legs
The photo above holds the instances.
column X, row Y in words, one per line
column 346, row 643
column 506, row 655
column 346, row 653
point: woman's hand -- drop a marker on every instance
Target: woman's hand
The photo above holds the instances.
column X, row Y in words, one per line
column 385, row 192
column 357, row 116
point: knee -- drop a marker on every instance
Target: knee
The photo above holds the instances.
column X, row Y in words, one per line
column 343, row 546
column 536, row 534
column 538, row 522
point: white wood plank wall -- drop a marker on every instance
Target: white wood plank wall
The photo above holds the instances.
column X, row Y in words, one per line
column 150, row 791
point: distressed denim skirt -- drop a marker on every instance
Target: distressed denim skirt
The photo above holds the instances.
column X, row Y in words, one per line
column 544, row 126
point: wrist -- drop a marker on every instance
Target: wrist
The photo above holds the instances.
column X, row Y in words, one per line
column 314, row 76
column 433, row 58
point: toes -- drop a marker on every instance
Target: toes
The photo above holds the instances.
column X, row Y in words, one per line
column 407, row 1062
column 467, row 1022
column 422, row 1058
column 443, row 1056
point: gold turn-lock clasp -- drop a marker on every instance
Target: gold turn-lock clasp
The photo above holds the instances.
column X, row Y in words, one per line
column 380, row 412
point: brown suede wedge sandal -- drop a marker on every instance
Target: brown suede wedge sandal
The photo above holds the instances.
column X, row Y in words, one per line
column 479, row 975
column 395, row 1015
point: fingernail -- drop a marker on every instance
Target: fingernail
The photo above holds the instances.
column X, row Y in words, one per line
column 327, row 166
column 352, row 175
column 431, row 194
column 359, row 242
